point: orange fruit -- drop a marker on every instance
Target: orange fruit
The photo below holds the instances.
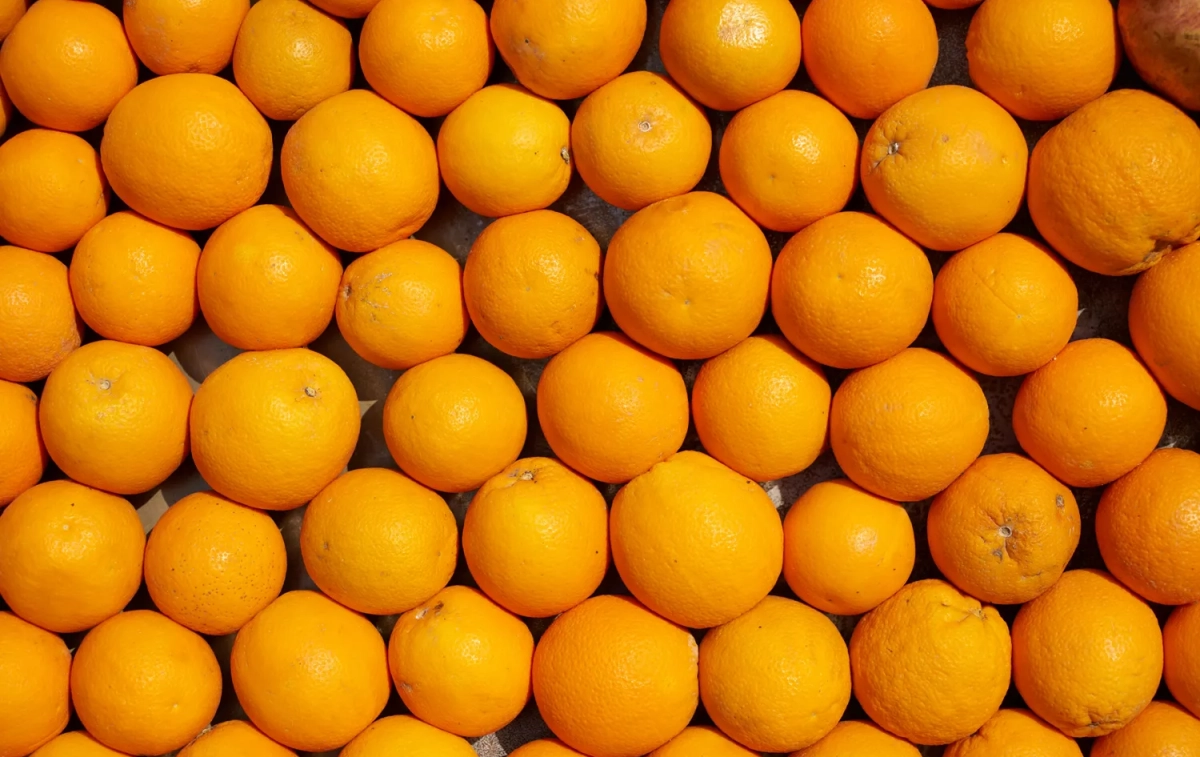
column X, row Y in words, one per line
column 867, row 55
column 1004, row 530
column 1182, row 659
column 701, row 739
column 612, row 679
column 1164, row 321
column 907, row 427
column 1011, row 732
column 542, row 748
column 850, row 291
column 271, row 429
column 454, row 422
column 953, row 4
column 360, row 171
column 11, row 12
column 115, row 416
column 378, row 542
column 536, row 538
column 21, row 445
column 77, row 744
column 187, row 150
column 859, row 738
column 180, row 37
column 846, row 550
column 1087, row 654
column 35, row 702
column 6, row 110
column 505, row 150
column 931, row 665
column 639, row 139
column 405, row 735
column 309, row 673
column 1091, row 414
column 610, row 409
column 134, row 280
column 347, row 8
column 51, row 188
column 234, row 738
column 426, row 57
column 212, row 564
column 729, row 54
column 1005, row 306
column 789, row 160
column 688, row 277
column 1163, row 728
column 38, row 323
column 568, row 49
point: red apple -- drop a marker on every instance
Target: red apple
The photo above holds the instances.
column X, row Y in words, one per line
column 1162, row 39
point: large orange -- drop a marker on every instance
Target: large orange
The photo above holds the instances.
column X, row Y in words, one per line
column 38, row 323
column 1164, row 321
column 35, row 702
column 401, row 734
column 1181, row 667
column 77, row 744
column 699, row 739
column 1015, row 732
column 233, row 738
column 184, row 36
column 859, row 738
column 21, row 446
column 1163, row 728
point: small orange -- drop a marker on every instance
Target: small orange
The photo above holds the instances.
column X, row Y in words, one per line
column 21, row 446
column 730, row 53
column 38, row 323
column 505, row 150
column 639, row 139
column 184, row 36
column 11, row 12
column 953, row 4
column 846, row 550
column 850, row 291
column 688, row 277
column 401, row 734
column 346, row 8
column 1015, row 732
column 542, row 748
column 78, row 744
column 1164, row 321
column 1163, row 728
column 700, row 739
column 859, row 738
column 35, row 701
column 610, row 409
column 1182, row 657
column 233, row 738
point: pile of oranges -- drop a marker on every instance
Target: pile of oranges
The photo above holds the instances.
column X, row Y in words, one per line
column 475, row 416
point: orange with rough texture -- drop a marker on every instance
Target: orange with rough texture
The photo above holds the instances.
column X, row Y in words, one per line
column 907, row 427
column 187, row 150
column 1087, row 654
column 35, row 701
column 859, row 738
column 401, row 734
column 536, row 538
column 930, row 664
column 234, row 738
column 945, row 165
column 1182, row 657
column 11, row 12
column 700, row 740
column 612, row 679
column 1005, row 306
column 1015, row 733
column 271, row 429
column 309, row 673
column 1164, row 321
column 21, row 446
column 542, row 748
column 505, row 150
column 38, row 323
column 850, row 291
column 78, row 744
column 1090, row 415
column 184, row 36
column 1163, row 729
column 115, row 416
column 610, row 409
column 688, row 277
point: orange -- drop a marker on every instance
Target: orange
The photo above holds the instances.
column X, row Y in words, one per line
column 867, row 55
column 11, row 12
column 212, row 564
column 1163, row 729
column 850, row 291
column 931, row 665
column 532, row 283
column 134, row 280
column 762, row 408
column 234, row 738
column 688, row 277
column 610, row 409
column 701, row 739
column 777, row 678
column 1005, row 306
column 1182, row 658
column 291, row 56
column 115, row 416
column 1129, row 156
column 639, row 139
column 567, row 49
column 789, row 160
column 21, row 446
column 542, row 748
column 77, row 744
column 6, row 111
column 730, row 53
column 845, row 550
column 399, row 322
column 1087, row 654
column 505, row 150
column 454, row 422
column 310, row 673
column 859, row 738
column 51, row 188
column 1015, row 732
column 426, row 57
column 953, row 4
column 187, row 150
column 184, row 36
column 38, row 323
column 461, row 663
column 378, row 542
column 347, row 8
column 1091, row 414
column 271, row 429
column 906, row 428
column 401, row 734
column 1164, row 321
column 359, row 171
column 536, row 538
column 35, row 702
column 612, row 679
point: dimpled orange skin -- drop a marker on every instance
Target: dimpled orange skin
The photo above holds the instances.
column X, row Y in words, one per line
column 566, row 50
column 79, row 744
column 930, row 664
column 1015, row 733
column 234, row 738
column 612, row 679
column 1164, row 729
column 688, row 277
column 38, row 323
column 700, row 739
column 543, row 748
column 179, row 37
column 271, row 429
column 946, row 166
column 850, row 291
column 907, row 427
column 1095, row 166
column 859, row 738
column 35, row 704
column 1164, row 321
column 11, row 12
column 1182, row 658
column 610, row 409
column 21, row 445
column 401, row 734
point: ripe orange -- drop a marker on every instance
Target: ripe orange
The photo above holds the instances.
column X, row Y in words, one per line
column 543, row 748
column 21, row 446
column 6, row 110
column 953, row 4
column 1182, row 659
column 1164, row 322
column 78, row 744
column 859, row 738
column 234, row 738
column 688, row 277
column 1163, row 728
column 700, row 739
column 401, row 734
column 38, row 323
column 1011, row 732
column 182, row 36
column 11, row 12
column 35, row 701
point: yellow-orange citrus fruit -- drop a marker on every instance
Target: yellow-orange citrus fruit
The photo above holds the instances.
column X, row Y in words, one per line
column 184, row 36
column 1015, row 732
column 78, row 744
column 1164, row 321
column 859, row 738
column 21, row 446
column 953, row 4
column 401, row 734
column 11, row 12
column 1181, row 667
column 35, row 702
column 6, row 110
column 38, row 323
column 233, row 738
column 544, row 748
column 1163, row 728
column 700, row 739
